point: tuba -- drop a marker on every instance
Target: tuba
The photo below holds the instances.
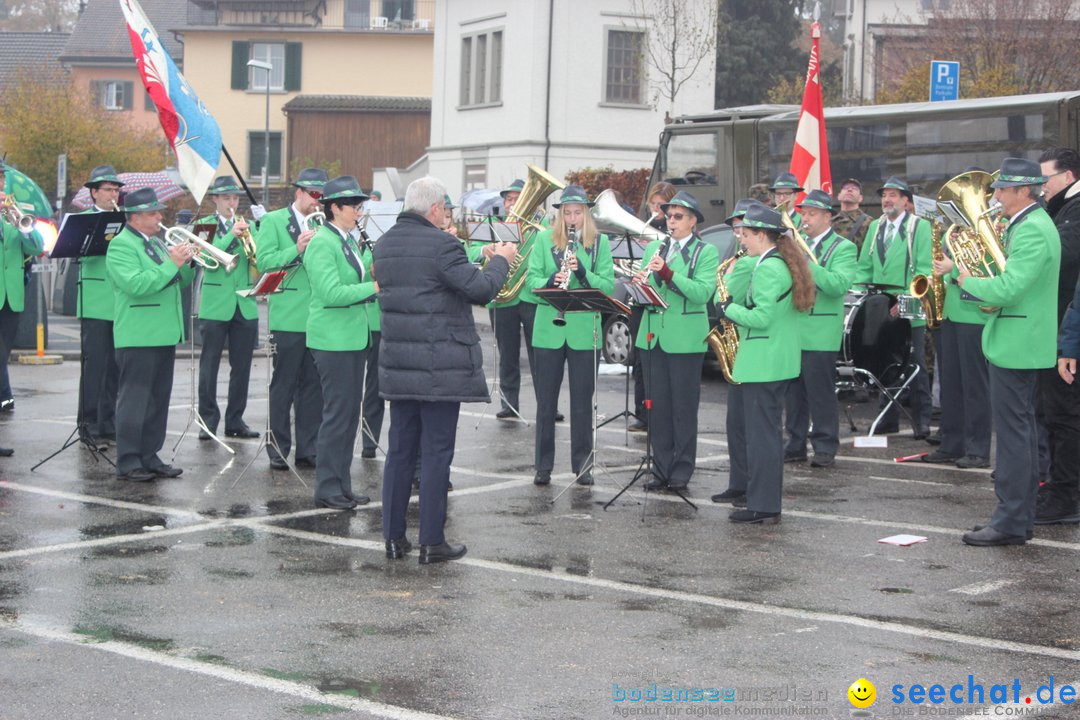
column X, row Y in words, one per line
column 724, row 338
column 537, row 187
column 975, row 243
column 610, row 217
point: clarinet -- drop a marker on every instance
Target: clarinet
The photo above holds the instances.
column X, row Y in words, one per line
column 569, row 252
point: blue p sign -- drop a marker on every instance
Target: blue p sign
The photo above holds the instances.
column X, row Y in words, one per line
column 944, row 80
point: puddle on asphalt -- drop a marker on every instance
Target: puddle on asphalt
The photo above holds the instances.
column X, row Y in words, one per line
column 123, row 527
column 233, row 537
column 896, row 590
column 153, row 576
column 10, row 589
column 105, row 633
column 127, row 550
column 352, row 631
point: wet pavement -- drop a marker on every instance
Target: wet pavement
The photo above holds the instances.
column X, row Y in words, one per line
column 216, row 595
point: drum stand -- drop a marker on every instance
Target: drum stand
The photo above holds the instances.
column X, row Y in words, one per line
column 850, row 371
column 590, row 460
column 267, row 439
column 193, row 414
column 496, row 383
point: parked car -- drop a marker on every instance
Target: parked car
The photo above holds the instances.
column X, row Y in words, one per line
column 618, row 344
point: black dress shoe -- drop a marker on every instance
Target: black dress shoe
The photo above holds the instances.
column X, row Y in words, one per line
column 656, row 484
column 167, row 471
column 278, row 463
column 505, row 414
column 336, row 502
column 203, row 435
column 585, row 478
column 6, row 452
column 972, row 461
column 937, row 456
column 728, row 495
column 794, row 458
column 542, row 477
column 306, row 462
column 887, row 429
column 242, row 432
column 988, row 537
column 110, row 436
column 7, row 405
column 440, row 553
column 753, row 517
column 678, row 486
column 1029, row 534
column 637, row 426
column 137, row 475
column 559, row 417
column 397, row 549
column 367, row 453
column 358, row 499
column 822, row 461
column 935, row 438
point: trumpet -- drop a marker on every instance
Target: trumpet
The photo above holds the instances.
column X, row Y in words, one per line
column 209, row 257
column 14, row 215
column 247, row 242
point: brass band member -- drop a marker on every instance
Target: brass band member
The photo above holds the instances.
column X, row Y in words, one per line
column 1019, row 339
column 98, row 372
column 338, row 337
column 570, row 255
column 767, row 316
column 784, row 189
column 812, row 396
column 897, row 247
column 147, row 277
column 672, row 341
column 225, row 317
column 282, row 240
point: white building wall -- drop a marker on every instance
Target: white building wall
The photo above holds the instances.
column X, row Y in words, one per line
column 859, row 78
column 583, row 131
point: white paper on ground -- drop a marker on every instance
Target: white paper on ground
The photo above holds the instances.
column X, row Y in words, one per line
column 903, row 540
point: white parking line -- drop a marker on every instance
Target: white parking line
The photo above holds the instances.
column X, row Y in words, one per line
column 36, row 627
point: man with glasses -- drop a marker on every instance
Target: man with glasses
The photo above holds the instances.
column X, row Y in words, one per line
column 784, row 189
column 283, row 237
column 682, row 268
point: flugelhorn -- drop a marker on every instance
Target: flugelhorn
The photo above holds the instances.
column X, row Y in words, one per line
column 209, row 257
column 14, row 214
column 247, row 242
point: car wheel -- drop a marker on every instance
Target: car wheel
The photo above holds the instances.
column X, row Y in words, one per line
column 617, row 341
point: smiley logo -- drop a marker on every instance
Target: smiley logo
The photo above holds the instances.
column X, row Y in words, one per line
column 862, row 693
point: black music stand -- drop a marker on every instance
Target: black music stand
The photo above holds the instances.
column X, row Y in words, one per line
column 582, row 300
column 623, row 249
column 84, row 235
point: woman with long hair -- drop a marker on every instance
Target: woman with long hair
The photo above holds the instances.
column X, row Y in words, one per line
column 572, row 254
column 658, row 194
column 338, row 335
column 766, row 313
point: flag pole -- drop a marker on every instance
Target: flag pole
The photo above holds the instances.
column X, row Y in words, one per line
column 239, row 175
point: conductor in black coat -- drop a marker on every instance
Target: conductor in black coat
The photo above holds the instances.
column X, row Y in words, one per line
column 429, row 359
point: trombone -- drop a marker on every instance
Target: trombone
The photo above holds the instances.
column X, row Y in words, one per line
column 209, row 257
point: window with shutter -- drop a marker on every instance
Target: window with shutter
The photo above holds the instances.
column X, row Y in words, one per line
column 241, row 53
column 129, row 95
column 292, row 66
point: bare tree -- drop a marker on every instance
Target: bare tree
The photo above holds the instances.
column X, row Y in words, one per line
column 40, row 15
column 680, row 35
column 1003, row 46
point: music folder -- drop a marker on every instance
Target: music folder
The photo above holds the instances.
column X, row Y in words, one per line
column 645, row 295
column 268, row 284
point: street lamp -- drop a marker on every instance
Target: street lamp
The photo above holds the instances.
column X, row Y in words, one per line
column 262, row 64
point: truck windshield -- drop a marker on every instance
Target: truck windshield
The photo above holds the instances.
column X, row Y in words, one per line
column 692, row 159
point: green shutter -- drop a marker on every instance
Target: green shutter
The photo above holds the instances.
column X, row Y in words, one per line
column 240, row 55
column 292, row 66
column 95, row 92
column 129, row 90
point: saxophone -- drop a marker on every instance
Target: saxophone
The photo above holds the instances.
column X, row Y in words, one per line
column 724, row 338
column 931, row 290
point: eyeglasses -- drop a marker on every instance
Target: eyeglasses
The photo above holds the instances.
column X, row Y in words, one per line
column 675, row 216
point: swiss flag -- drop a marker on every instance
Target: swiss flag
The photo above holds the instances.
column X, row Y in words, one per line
column 810, row 156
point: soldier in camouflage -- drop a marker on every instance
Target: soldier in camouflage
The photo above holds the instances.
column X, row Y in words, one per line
column 851, row 221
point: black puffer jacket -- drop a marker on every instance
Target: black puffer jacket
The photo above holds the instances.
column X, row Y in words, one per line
column 1064, row 208
column 430, row 349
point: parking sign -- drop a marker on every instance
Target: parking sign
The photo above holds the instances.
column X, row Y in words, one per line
column 944, row 80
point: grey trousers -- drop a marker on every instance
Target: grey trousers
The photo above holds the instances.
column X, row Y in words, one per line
column 547, row 379
column 921, row 403
column 98, row 378
column 142, row 405
column 812, row 397
column 1016, row 467
column 294, row 382
column 965, row 390
column 240, row 334
column 374, row 406
column 509, row 322
column 755, row 443
column 342, row 376
column 9, row 327
column 673, row 385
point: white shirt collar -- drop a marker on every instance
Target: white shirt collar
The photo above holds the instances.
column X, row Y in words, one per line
column 817, row 240
column 1016, row 215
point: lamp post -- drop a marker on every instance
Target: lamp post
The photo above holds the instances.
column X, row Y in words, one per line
column 262, row 64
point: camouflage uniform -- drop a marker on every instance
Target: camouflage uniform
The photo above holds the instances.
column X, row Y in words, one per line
column 852, row 224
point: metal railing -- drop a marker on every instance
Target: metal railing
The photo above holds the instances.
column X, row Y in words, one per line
column 375, row 15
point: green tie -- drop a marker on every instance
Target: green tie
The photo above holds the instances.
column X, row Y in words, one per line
column 890, row 232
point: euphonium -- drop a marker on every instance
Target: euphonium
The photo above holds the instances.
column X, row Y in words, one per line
column 318, row 218
column 976, row 245
column 724, row 338
column 931, row 290
column 537, row 187
column 208, row 256
column 14, row 214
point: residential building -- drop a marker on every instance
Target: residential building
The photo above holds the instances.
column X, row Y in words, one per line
column 29, row 51
column 563, row 85
column 320, row 51
column 99, row 59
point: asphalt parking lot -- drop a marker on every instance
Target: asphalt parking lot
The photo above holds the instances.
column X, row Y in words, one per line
column 216, row 595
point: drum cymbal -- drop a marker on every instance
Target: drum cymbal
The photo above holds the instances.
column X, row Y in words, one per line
column 880, row 287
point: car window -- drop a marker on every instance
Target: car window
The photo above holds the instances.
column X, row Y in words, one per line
column 722, row 237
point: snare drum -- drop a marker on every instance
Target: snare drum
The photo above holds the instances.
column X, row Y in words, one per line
column 911, row 307
column 874, row 340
